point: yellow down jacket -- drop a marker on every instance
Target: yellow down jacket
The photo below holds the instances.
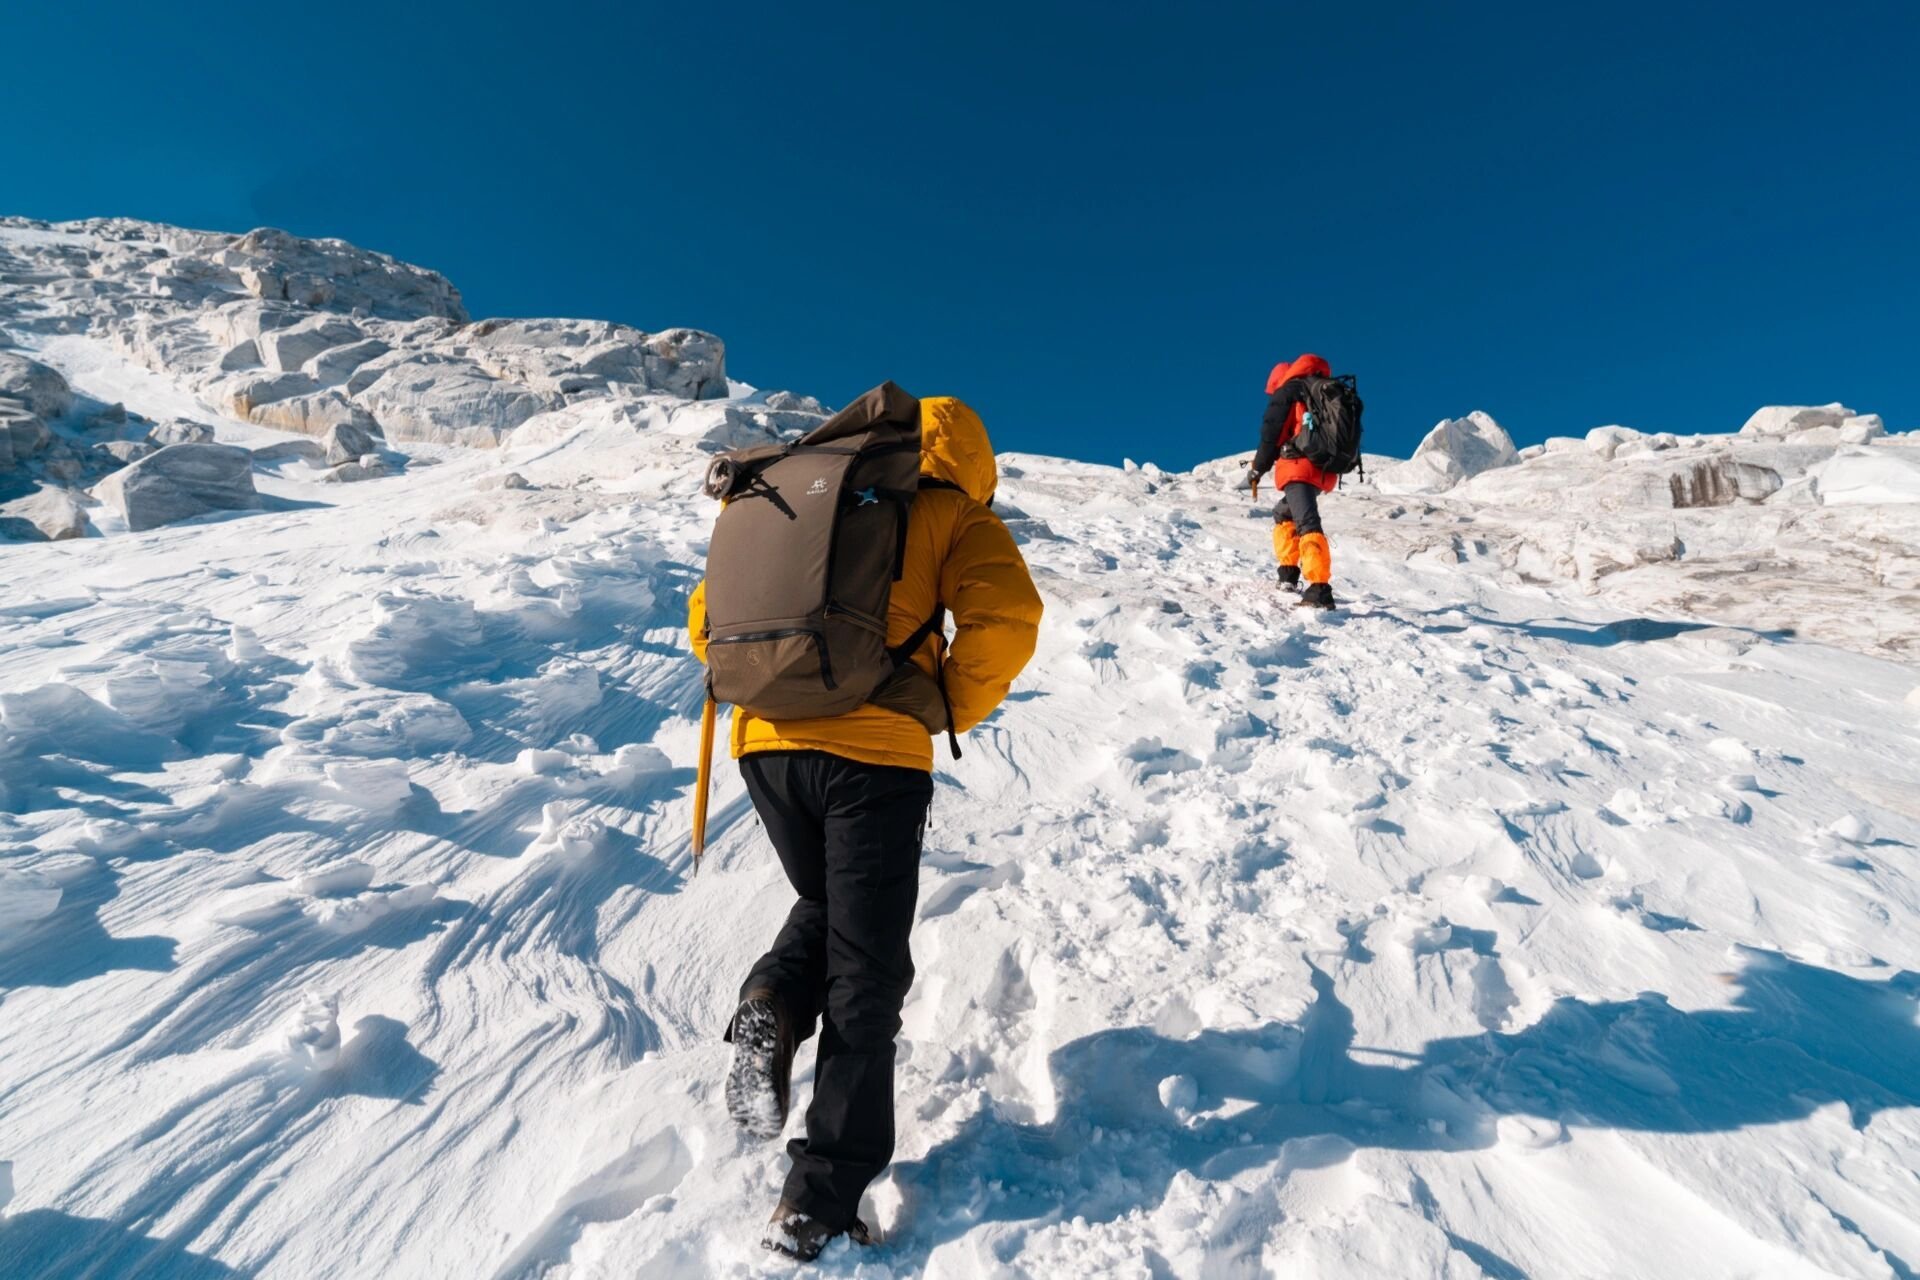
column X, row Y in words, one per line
column 959, row 555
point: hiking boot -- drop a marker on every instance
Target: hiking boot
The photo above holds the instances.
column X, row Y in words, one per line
column 794, row 1234
column 1318, row 595
column 760, row 1081
column 1290, row 577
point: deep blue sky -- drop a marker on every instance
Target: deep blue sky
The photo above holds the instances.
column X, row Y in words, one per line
column 1101, row 224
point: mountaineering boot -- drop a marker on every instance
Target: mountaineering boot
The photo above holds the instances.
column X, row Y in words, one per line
column 760, row 1081
column 794, row 1234
column 1318, row 595
column 1290, row 577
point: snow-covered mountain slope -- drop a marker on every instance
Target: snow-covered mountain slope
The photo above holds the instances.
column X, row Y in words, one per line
column 348, row 925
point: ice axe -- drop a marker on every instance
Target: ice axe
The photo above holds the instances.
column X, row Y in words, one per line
column 704, row 784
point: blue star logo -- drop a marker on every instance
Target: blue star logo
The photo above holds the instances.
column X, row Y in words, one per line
column 868, row 497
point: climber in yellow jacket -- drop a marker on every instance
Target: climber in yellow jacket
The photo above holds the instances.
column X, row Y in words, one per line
column 959, row 554
column 844, row 800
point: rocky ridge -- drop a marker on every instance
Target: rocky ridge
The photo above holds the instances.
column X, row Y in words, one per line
column 315, row 337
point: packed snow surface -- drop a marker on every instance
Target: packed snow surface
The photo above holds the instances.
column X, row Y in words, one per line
column 1522, row 918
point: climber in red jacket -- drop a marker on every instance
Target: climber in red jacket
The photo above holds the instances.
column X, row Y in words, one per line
column 1298, row 539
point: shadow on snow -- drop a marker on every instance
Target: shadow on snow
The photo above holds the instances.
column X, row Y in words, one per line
column 46, row 1245
column 1798, row 1038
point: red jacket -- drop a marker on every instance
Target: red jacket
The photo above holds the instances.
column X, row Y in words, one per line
column 1282, row 422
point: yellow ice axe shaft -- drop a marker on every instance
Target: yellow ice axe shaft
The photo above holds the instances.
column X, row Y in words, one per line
column 704, row 785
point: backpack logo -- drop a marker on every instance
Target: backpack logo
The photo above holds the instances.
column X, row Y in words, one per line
column 817, row 487
column 868, row 498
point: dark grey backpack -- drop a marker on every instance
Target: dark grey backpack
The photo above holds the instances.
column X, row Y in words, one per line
column 803, row 560
column 1329, row 435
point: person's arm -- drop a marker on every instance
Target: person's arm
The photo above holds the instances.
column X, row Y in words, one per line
column 996, row 616
column 1274, row 431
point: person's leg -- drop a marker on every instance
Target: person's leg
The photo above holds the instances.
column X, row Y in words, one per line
column 1286, row 546
column 785, row 793
column 875, row 822
column 1286, row 542
column 1315, row 557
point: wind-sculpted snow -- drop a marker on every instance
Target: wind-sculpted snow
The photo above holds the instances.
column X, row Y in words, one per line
column 1550, row 910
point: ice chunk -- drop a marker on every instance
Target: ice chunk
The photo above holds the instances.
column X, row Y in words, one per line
column 1852, row 828
column 338, row 877
column 244, row 646
column 415, row 640
column 383, row 723
column 1179, row 1094
column 536, row 761
column 1530, row 1133
column 1732, row 750
column 378, row 786
column 312, row 1037
column 634, row 763
column 350, row 915
column 567, row 835
column 163, row 694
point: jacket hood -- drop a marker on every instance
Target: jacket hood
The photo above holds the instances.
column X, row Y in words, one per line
column 954, row 447
column 1307, row 366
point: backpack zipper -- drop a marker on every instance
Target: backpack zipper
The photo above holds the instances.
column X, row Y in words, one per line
column 867, row 620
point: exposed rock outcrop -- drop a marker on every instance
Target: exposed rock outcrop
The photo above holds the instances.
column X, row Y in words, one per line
column 371, row 466
column 41, row 390
column 1455, row 450
column 22, row 434
column 346, row 442
column 286, row 349
column 181, row 431
column 303, row 335
column 446, row 400
column 180, row 482
column 49, row 514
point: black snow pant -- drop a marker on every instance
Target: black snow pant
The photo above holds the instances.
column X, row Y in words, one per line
column 1299, row 503
column 849, row 836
